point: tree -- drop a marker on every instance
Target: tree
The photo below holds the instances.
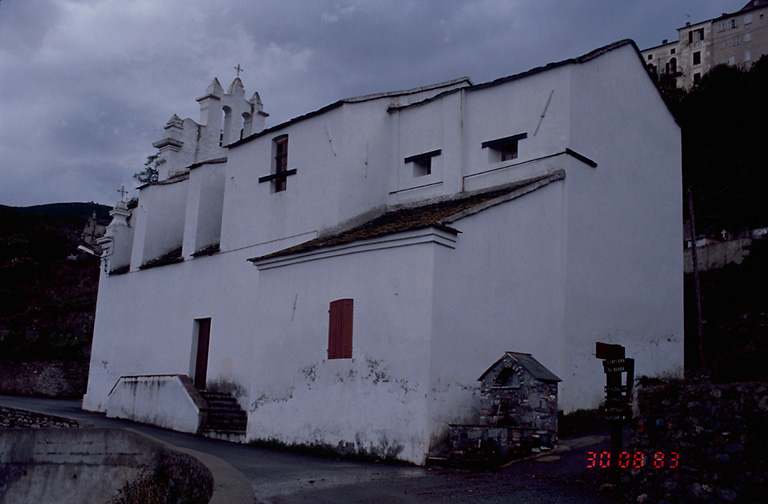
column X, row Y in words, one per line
column 725, row 151
column 150, row 172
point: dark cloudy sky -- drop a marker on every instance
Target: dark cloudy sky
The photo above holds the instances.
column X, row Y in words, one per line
column 86, row 86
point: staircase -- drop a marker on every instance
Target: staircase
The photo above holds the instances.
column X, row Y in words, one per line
column 224, row 418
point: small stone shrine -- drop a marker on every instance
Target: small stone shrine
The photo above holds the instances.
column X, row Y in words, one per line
column 518, row 411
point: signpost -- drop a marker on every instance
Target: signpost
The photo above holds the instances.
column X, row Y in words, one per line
column 617, row 392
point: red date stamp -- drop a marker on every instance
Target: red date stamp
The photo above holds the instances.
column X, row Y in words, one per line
column 634, row 460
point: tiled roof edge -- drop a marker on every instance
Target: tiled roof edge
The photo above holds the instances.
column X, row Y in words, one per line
column 536, row 184
column 357, row 99
column 551, row 66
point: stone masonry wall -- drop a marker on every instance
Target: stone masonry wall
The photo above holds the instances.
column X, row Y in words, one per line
column 720, row 433
column 11, row 418
column 44, row 379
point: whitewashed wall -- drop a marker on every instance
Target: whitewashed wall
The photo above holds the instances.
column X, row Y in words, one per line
column 499, row 290
column 145, row 323
column 204, row 208
column 624, row 229
column 158, row 221
column 374, row 401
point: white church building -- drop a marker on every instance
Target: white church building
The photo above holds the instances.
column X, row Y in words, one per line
column 349, row 274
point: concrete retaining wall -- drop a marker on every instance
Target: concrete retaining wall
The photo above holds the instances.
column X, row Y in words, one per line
column 717, row 255
column 168, row 401
column 62, row 466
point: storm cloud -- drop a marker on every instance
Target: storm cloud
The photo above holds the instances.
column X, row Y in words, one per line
column 86, row 86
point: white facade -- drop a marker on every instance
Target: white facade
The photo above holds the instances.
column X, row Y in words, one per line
column 402, row 203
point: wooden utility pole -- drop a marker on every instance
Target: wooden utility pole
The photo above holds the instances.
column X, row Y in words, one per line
column 696, row 283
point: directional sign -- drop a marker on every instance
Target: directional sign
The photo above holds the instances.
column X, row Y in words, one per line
column 615, row 365
column 608, row 351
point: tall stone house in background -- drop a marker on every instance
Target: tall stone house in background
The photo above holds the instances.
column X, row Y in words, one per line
column 738, row 38
column 348, row 274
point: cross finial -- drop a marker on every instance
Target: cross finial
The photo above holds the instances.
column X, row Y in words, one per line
column 122, row 192
column 238, row 69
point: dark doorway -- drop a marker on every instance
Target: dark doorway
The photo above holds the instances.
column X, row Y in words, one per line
column 201, row 361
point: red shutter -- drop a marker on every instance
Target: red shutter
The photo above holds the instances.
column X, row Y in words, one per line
column 340, row 329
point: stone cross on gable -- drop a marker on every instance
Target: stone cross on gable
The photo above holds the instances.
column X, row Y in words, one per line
column 238, row 69
column 122, row 192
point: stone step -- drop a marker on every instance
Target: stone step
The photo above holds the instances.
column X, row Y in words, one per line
column 224, row 416
column 215, row 418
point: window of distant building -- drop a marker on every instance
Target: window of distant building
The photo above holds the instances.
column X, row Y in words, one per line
column 736, row 40
column 747, row 18
column 721, row 26
column 747, row 37
column 732, row 60
column 340, row 329
column 696, row 35
column 504, row 149
column 650, row 57
column 672, row 66
column 747, row 55
column 696, row 78
column 697, row 58
column 422, row 163
column 733, row 23
column 672, row 51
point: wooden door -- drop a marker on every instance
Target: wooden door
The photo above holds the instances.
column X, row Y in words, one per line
column 201, row 362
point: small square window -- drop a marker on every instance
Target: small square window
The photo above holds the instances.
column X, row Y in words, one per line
column 503, row 149
column 422, row 163
column 508, row 151
column 672, row 51
column 650, row 57
column 422, row 167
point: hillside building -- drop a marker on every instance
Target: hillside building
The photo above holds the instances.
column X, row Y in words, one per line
column 735, row 39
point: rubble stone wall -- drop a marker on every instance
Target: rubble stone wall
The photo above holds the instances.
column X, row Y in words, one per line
column 11, row 418
column 719, row 433
column 44, row 379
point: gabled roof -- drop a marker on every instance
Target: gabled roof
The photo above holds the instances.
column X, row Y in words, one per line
column 437, row 214
column 526, row 360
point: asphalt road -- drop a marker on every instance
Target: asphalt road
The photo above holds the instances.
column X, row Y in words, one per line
column 277, row 477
